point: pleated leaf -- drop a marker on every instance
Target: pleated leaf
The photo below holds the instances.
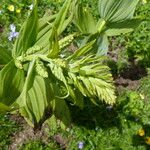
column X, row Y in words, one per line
column 114, row 29
column 11, row 83
column 34, row 98
column 27, row 35
column 102, row 45
column 117, row 10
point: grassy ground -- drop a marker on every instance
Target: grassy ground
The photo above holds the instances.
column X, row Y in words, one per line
column 8, row 128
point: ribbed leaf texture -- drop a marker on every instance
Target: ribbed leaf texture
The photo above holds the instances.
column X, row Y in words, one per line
column 117, row 10
column 93, row 79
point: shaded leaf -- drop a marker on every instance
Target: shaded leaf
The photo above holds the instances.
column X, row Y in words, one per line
column 35, row 97
column 123, row 27
column 5, row 56
column 4, row 108
column 61, row 111
column 84, row 20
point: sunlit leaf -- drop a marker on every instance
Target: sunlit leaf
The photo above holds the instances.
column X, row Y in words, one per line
column 117, row 10
column 27, row 35
column 11, row 83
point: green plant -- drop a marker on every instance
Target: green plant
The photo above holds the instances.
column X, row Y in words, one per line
column 32, row 145
column 132, row 49
column 116, row 18
column 39, row 82
column 8, row 128
column 139, row 48
column 13, row 11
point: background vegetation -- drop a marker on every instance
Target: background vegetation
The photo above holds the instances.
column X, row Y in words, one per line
column 124, row 126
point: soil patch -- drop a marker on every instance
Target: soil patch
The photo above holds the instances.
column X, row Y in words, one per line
column 27, row 133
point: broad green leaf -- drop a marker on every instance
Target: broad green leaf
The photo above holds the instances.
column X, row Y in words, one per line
column 4, row 108
column 117, row 10
column 61, row 111
column 123, row 27
column 35, row 96
column 5, row 56
column 59, row 26
column 11, row 83
column 36, row 100
column 27, row 34
column 84, row 20
column 42, row 33
column 102, row 45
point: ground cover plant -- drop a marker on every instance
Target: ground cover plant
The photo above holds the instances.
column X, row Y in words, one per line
column 62, row 61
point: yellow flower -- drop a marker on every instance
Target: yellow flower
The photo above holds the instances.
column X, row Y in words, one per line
column 11, row 8
column 141, row 132
column 147, row 140
column 18, row 11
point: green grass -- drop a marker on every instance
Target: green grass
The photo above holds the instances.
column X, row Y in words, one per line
column 8, row 128
column 105, row 128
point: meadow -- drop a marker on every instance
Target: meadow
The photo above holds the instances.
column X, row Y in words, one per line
column 74, row 74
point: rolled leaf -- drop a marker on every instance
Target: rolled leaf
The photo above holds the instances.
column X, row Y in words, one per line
column 27, row 35
column 84, row 20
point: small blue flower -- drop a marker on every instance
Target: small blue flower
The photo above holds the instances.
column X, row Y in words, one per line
column 13, row 34
column 80, row 145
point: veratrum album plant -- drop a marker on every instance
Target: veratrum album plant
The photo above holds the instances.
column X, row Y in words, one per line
column 39, row 83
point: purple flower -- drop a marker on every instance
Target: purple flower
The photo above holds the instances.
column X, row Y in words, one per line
column 80, row 145
column 13, row 34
